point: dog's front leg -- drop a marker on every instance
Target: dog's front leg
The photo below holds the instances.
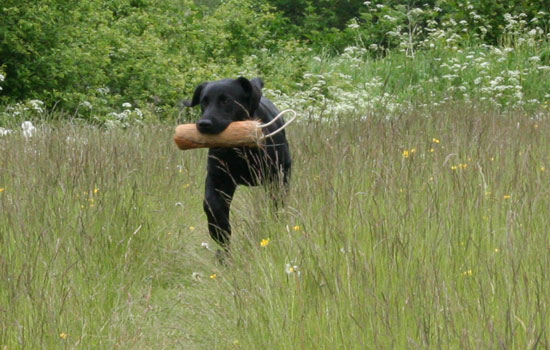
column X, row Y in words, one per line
column 217, row 200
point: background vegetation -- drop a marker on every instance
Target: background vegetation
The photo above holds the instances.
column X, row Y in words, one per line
column 85, row 59
column 417, row 216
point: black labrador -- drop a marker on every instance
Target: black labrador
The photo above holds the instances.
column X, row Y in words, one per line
column 222, row 102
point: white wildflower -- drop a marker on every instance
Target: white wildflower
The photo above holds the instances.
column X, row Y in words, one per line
column 28, row 129
column 450, row 76
column 4, row 132
column 291, row 269
column 37, row 105
column 416, row 11
column 126, row 105
column 103, row 90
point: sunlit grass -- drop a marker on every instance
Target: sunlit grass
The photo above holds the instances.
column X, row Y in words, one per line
column 418, row 232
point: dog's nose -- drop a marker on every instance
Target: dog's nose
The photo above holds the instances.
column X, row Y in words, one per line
column 204, row 125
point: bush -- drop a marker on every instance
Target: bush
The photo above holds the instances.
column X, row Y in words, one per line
column 142, row 52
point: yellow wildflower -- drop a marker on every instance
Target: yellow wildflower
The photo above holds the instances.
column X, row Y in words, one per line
column 507, row 196
column 468, row 273
column 434, row 140
column 265, row 242
column 96, row 190
column 63, row 335
column 191, row 228
column 186, row 186
column 296, row 228
column 2, row 189
column 406, row 153
column 496, row 250
column 213, row 276
column 541, row 169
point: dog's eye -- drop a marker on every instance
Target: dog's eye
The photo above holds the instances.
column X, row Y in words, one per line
column 224, row 100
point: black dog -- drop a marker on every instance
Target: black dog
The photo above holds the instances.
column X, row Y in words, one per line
column 222, row 102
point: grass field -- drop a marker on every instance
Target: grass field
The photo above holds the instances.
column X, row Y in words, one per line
column 423, row 231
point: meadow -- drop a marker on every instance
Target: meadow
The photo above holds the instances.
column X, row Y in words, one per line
column 425, row 230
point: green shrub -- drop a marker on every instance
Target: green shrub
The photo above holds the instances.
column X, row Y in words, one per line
column 142, row 52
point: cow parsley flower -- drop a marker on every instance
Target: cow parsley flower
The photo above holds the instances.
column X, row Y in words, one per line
column 28, row 129
column 4, row 132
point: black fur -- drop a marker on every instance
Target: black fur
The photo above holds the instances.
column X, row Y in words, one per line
column 223, row 102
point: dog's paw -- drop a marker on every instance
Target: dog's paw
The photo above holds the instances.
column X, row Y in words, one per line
column 222, row 256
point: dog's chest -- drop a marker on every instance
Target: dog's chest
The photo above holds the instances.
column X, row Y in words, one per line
column 244, row 165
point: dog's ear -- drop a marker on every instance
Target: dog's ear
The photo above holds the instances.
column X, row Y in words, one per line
column 258, row 82
column 254, row 91
column 196, row 96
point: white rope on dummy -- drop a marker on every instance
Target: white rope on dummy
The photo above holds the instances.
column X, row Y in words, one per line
column 279, row 116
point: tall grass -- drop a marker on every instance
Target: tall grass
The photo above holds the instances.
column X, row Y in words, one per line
column 424, row 231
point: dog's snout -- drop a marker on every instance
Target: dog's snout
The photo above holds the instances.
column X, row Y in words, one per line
column 204, row 125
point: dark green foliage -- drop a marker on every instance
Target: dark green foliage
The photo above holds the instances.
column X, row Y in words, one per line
column 138, row 51
column 492, row 14
column 319, row 15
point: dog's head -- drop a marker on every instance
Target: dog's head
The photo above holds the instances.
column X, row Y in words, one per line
column 225, row 101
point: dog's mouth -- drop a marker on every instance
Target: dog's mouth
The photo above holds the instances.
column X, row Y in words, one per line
column 206, row 126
